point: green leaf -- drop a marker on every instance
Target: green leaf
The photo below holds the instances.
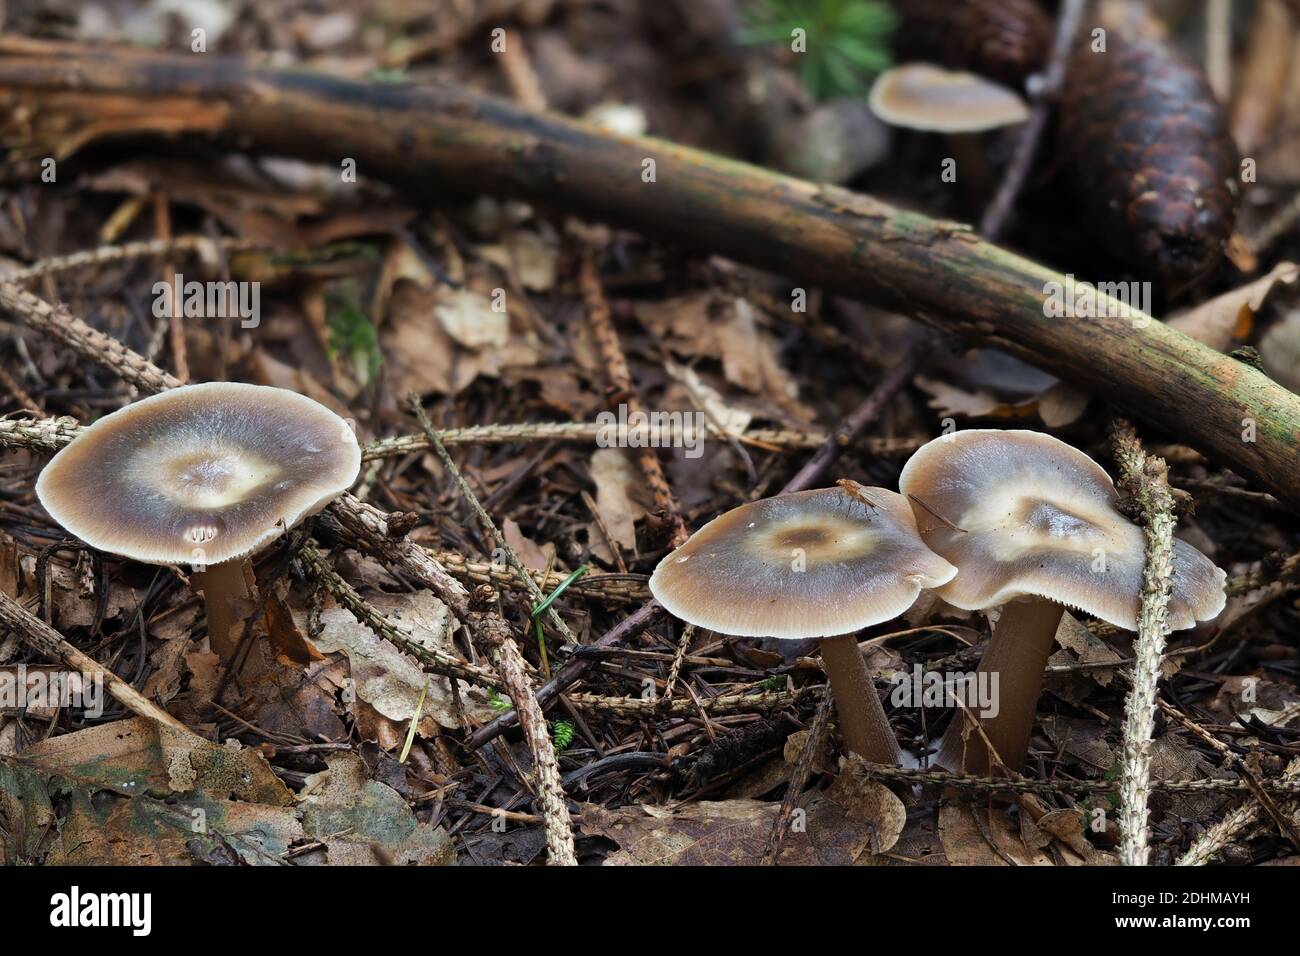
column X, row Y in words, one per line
column 562, row 733
column 848, row 40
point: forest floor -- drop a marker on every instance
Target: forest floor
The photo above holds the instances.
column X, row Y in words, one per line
column 328, row 744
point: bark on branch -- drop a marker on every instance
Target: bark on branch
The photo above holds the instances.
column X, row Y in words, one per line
column 436, row 140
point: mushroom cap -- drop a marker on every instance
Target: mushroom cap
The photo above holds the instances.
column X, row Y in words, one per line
column 926, row 97
column 810, row 564
column 1021, row 513
column 200, row 474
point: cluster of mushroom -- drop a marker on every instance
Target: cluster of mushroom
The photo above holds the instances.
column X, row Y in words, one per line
column 207, row 475
column 204, row 475
column 986, row 518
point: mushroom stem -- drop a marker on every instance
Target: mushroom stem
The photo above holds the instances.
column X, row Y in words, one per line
column 862, row 720
column 223, row 585
column 1017, row 653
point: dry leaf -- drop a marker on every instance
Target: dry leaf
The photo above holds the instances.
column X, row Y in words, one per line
column 1083, row 741
column 728, row 418
column 533, row 260
column 363, row 822
column 1062, row 405
column 1279, row 350
column 468, row 317
column 136, row 755
column 972, row 836
column 854, row 818
column 749, row 357
column 526, row 549
column 1088, row 648
column 615, row 478
column 949, row 400
column 1230, row 316
column 389, row 680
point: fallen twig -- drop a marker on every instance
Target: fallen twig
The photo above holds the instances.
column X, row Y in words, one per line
column 202, row 246
column 34, row 632
column 428, row 138
column 571, row 672
column 966, row 781
column 493, row 630
column 435, row 661
column 772, row 439
column 62, row 326
column 756, row 703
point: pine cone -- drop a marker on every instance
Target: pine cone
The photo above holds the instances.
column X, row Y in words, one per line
column 1149, row 151
column 1005, row 40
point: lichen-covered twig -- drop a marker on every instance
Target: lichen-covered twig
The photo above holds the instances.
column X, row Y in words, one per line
column 1145, row 480
column 571, row 672
column 40, row 434
column 761, row 702
column 202, row 246
column 610, row 588
column 1232, row 827
column 966, row 781
column 369, row 527
column 492, row 629
column 59, row 324
column 435, row 661
column 772, row 439
column 1220, row 836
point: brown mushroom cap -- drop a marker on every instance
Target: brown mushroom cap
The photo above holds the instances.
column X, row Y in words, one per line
column 811, row 564
column 1021, row 513
column 926, row 97
column 200, row 474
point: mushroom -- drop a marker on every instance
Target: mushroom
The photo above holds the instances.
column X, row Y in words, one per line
column 1033, row 525
column 204, row 475
column 926, row 97
column 824, row 564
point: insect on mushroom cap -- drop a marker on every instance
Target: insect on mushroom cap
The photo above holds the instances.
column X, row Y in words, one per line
column 926, row 97
column 1021, row 513
column 811, row 564
column 201, row 474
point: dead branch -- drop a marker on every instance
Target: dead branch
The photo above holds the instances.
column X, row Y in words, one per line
column 439, row 138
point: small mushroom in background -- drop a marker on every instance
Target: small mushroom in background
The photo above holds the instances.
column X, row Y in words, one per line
column 831, row 143
column 814, row 564
column 204, row 475
column 1033, row 526
column 925, row 97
